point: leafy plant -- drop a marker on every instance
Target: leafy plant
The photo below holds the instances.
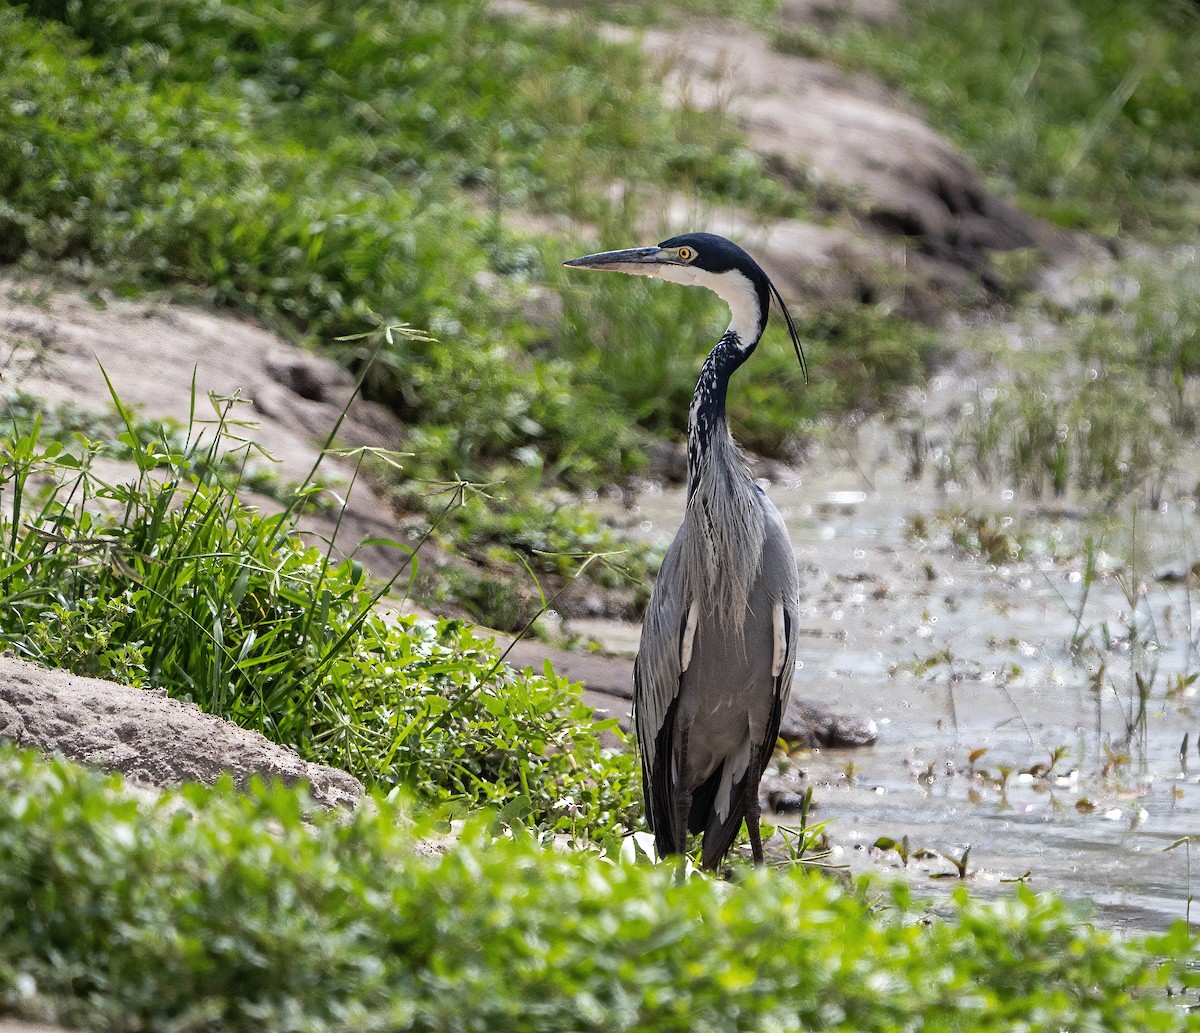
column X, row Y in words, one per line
column 170, row 580
column 212, row 909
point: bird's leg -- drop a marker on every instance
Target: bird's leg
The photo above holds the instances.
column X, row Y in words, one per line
column 753, row 815
column 683, row 797
column 683, row 807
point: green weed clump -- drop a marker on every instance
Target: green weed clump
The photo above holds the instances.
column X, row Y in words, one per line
column 208, row 909
column 512, row 538
column 1085, row 109
column 170, row 580
column 1110, row 410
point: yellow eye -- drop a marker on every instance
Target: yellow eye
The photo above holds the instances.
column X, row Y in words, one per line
column 686, row 253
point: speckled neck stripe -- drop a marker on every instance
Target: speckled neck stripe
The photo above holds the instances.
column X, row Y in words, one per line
column 707, row 418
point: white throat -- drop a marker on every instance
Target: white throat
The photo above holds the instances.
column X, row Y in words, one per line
column 732, row 287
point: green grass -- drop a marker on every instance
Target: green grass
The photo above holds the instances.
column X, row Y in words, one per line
column 215, row 910
column 170, row 580
column 520, row 543
column 317, row 164
column 1084, row 110
column 1108, row 408
column 511, row 539
column 860, row 355
column 160, row 177
column 67, row 423
column 312, row 164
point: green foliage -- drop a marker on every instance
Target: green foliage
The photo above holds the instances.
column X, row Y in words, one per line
column 1101, row 434
column 523, row 542
column 310, row 163
column 156, row 178
column 209, row 909
column 1155, row 326
column 977, row 534
column 1085, row 108
column 66, row 423
column 172, row 581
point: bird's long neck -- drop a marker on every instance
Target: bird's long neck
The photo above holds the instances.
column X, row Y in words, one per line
column 708, row 428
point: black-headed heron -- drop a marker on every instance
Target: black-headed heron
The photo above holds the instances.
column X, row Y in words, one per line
column 714, row 667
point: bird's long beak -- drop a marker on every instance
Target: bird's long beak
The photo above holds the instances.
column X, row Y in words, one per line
column 643, row 260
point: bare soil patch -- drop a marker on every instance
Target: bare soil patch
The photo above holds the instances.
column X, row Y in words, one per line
column 55, row 344
column 149, row 738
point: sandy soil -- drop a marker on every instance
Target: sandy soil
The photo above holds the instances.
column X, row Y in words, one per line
column 149, row 738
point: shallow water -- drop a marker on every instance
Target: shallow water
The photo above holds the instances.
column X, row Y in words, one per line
column 950, row 655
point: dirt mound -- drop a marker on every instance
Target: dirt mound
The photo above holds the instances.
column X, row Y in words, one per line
column 910, row 208
column 56, row 343
column 907, row 180
column 149, row 738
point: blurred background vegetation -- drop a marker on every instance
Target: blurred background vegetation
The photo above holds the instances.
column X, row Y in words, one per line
column 327, row 167
column 324, row 166
column 1083, row 110
column 310, row 163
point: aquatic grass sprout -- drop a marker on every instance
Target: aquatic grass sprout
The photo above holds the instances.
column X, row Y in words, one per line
column 1105, row 406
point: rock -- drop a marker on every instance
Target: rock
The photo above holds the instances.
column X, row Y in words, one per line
column 156, row 353
column 1171, row 573
column 809, row 724
column 836, row 12
column 303, row 373
column 13, row 1026
column 148, row 737
column 667, row 461
column 783, row 802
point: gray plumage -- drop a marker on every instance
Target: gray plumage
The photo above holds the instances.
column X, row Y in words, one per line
column 717, row 651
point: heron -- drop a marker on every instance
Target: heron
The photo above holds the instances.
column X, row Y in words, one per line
column 715, row 661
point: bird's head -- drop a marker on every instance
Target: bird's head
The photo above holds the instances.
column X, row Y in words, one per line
column 707, row 260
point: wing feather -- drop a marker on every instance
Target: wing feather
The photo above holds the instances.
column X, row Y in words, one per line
column 656, row 675
column 781, row 583
column 667, row 633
